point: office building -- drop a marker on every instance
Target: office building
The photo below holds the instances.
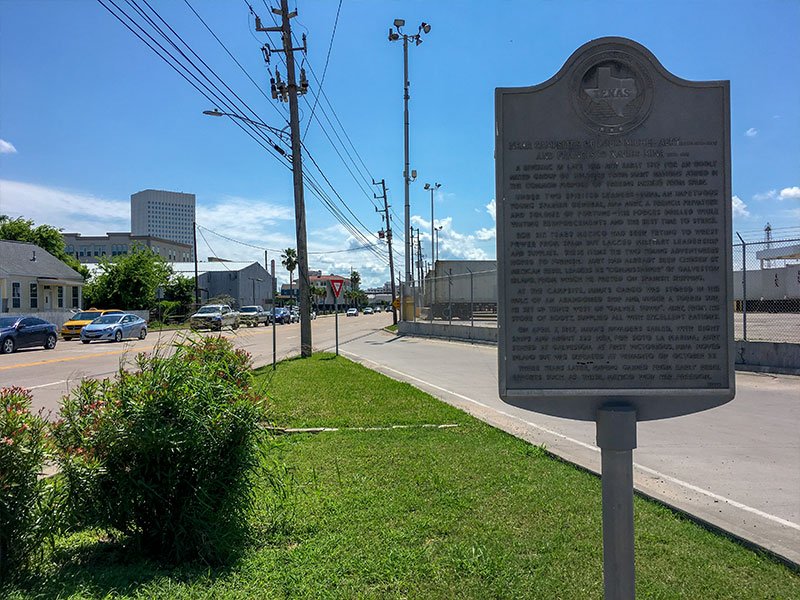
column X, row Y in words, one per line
column 165, row 215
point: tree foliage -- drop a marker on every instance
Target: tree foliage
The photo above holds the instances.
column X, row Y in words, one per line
column 355, row 279
column 46, row 237
column 129, row 281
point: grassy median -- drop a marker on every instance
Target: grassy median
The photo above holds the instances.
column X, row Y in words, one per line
column 373, row 510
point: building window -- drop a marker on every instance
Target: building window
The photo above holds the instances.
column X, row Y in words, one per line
column 75, row 296
column 16, row 294
column 60, row 296
column 34, row 295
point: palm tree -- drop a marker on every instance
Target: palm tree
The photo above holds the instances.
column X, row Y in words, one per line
column 289, row 262
column 317, row 292
column 355, row 279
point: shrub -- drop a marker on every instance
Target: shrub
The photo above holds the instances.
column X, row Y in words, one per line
column 23, row 450
column 169, row 454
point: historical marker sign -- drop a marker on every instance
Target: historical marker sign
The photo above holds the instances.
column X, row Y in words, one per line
column 614, row 238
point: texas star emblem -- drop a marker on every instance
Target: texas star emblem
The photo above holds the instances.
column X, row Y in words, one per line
column 615, row 91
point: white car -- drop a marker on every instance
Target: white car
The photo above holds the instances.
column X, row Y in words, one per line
column 368, row 311
column 352, row 312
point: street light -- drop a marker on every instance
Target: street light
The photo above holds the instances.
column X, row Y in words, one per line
column 436, row 254
column 279, row 132
column 407, row 177
column 432, row 188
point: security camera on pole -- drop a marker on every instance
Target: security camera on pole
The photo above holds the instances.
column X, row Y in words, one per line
column 408, row 177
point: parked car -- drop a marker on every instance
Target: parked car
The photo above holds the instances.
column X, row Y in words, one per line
column 72, row 329
column 352, row 312
column 114, row 327
column 253, row 316
column 214, row 317
column 294, row 314
column 25, row 332
column 377, row 309
column 280, row 315
column 368, row 310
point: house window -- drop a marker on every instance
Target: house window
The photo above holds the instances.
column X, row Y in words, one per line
column 60, row 296
column 34, row 295
column 75, row 297
column 16, row 294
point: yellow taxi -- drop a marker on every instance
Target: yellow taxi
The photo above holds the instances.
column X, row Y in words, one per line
column 72, row 328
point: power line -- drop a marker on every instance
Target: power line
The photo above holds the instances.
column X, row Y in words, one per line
column 325, row 70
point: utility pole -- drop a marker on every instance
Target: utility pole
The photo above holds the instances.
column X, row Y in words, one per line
column 388, row 240
column 408, row 177
column 432, row 188
column 288, row 92
column 196, row 284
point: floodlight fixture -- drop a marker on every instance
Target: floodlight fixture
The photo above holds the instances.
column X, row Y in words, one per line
column 399, row 22
column 425, row 27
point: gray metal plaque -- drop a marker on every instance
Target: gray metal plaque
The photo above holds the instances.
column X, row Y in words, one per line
column 614, row 238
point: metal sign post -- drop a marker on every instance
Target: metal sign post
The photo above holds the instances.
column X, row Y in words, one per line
column 615, row 285
column 336, row 284
column 274, row 291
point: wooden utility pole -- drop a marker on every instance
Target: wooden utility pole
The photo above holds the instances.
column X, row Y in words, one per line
column 288, row 92
column 388, row 240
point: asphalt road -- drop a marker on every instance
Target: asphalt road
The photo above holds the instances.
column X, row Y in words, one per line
column 50, row 374
column 736, row 466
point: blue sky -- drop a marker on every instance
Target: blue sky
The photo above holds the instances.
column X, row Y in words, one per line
column 90, row 115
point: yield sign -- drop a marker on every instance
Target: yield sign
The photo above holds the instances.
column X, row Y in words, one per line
column 336, row 284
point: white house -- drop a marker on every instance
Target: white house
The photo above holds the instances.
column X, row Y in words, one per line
column 34, row 281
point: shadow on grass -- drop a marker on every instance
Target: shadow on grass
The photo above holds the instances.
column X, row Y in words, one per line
column 107, row 568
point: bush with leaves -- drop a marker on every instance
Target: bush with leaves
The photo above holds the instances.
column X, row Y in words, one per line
column 24, row 514
column 168, row 455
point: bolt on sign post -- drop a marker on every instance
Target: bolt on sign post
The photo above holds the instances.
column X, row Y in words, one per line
column 336, row 285
column 614, row 257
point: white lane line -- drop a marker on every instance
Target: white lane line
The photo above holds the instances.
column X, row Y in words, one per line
column 680, row 482
column 35, row 387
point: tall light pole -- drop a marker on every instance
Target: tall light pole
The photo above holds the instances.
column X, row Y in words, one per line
column 432, row 188
column 436, row 254
column 408, row 177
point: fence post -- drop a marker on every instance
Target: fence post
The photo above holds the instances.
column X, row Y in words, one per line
column 471, row 301
column 744, row 288
column 450, row 296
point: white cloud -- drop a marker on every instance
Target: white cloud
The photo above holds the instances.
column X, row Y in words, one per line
column 739, row 207
column 67, row 210
column 770, row 195
column 491, row 209
column 752, row 132
column 486, row 234
column 7, row 147
column 790, row 193
column 452, row 245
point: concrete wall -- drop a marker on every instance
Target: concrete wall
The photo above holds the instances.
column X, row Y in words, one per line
column 450, row 332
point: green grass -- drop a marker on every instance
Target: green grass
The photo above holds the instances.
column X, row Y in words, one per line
column 464, row 512
column 392, row 328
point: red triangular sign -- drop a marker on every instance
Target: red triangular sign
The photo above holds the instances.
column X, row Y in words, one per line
column 336, row 284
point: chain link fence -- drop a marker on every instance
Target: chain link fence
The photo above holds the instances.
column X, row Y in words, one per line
column 766, row 290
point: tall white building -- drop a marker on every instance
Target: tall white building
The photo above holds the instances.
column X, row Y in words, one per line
column 166, row 215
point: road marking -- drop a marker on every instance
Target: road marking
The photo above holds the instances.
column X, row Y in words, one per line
column 123, row 351
column 658, row 474
column 36, row 387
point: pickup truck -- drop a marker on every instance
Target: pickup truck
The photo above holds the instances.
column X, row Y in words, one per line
column 253, row 316
column 214, row 317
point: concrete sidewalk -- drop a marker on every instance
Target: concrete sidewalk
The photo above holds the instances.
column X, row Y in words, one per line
column 736, row 467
